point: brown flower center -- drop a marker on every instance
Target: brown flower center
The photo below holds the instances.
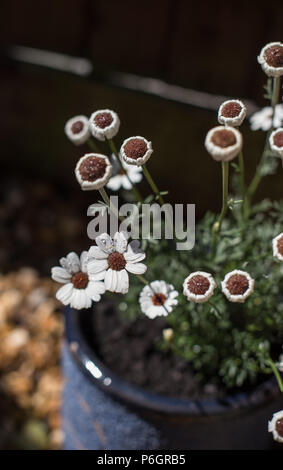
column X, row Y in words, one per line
column 92, row 168
column 103, row 120
column 135, row 148
column 80, row 280
column 280, row 245
column 116, row 261
column 77, row 127
column 231, row 109
column 274, row 56
column 278, row 139
column 223, row 138
column 198, row 284
column 158, row 299
column 279, row 427
column 237, row 284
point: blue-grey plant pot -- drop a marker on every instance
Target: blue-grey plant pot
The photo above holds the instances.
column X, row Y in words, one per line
column 100, row 411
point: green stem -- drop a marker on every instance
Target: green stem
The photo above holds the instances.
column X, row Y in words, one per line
column 275, row 93
column 112, row 208
column 143, row 279
column 215, row 309
column 242, row 174
column 157, row 193
column 276, row 373
column 92, row 145
column 257, row 177
column 225, row 178
column 104, row 196
column 152, row 184
column 258, row 174
column 217, row 226
column 114, row 150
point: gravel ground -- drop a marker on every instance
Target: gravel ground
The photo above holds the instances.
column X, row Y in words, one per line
column 31, row 329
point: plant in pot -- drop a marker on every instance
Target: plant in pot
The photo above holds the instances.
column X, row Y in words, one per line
column 181, row 351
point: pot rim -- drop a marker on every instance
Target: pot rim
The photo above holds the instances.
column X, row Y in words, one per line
column 136, row 396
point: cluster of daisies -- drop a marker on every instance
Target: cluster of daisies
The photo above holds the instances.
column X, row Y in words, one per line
column 237, row 285
column 95, row 170
column 225, row 142
column 102, row 124
column 271, row 61
column 106, row 266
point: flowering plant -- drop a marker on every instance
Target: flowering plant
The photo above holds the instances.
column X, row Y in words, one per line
column 222, row 301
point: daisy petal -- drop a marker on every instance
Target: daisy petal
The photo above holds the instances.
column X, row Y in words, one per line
column 97, row 265
column 65, row 264
column 80, row 299
column 126, row 183
column 136, row 268
column 123, row 282
column 115, row 183
column 120, row 242
column 135, row 174
column 60, row 275
column 74, row 261
column 105, row 243
column 154, row 312
column 85, row 299
column 134, row 253
column 75, row 297
column 96, row 253
column 96, row 287
column 84, row 261
column 64, row 293
column 97, row 277
column 111, row 280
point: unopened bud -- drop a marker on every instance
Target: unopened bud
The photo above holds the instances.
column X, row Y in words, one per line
column 168, row 334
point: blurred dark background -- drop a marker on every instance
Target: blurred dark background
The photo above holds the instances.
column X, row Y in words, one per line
column 208, row 46
column 203, row 50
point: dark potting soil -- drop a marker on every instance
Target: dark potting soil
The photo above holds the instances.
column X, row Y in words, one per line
column 130, row 350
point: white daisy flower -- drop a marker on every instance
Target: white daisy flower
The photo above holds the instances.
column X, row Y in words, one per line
column 104, row 124
column 80, row 286
column 276, row 426
column 119, row 178
column 77, row 129
column 277, row 244
column 263, row 119
column 158, row 299
column 115, row 258
column 136, row 150
column 276, row 141
column 232, row 113
column 199, row 286
column 237, row 285
column 93, row 171
column 223, row 143
column 271, row 59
